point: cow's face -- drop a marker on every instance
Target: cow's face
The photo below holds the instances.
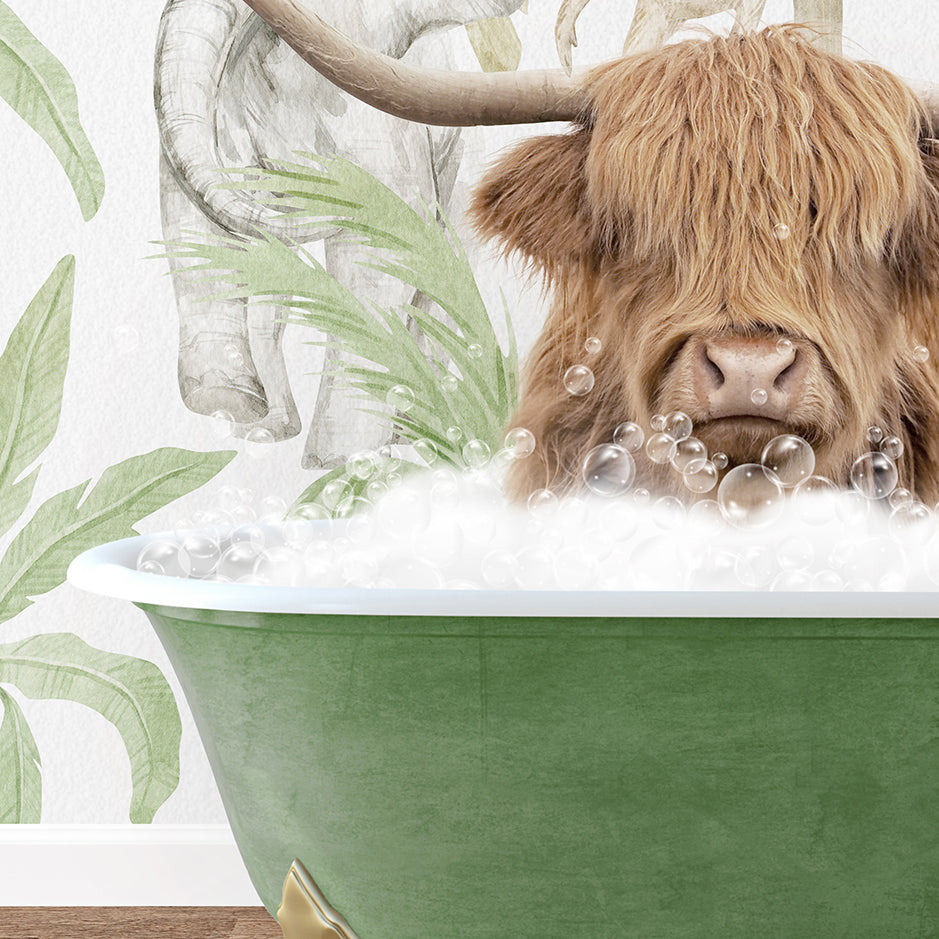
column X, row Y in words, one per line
column 749, row 226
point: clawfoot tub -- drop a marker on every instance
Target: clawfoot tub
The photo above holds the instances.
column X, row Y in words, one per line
column 474, row 764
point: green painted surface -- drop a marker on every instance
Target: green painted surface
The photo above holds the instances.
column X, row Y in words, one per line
column 537, row 779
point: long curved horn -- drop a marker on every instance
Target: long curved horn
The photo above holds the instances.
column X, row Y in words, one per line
column 428, row 96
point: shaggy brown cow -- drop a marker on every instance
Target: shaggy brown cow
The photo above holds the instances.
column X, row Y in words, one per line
column 721, row 195
column 712, row 197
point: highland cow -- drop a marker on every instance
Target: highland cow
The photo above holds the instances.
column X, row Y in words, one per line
column 712, row 198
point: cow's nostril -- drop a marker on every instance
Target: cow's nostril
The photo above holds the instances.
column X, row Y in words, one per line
column 787, row 374
column 714, row 377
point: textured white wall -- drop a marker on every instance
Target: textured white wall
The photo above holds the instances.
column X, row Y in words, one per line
column 121, row 401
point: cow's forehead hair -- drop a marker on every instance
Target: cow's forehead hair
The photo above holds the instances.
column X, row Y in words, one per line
column 707, row 148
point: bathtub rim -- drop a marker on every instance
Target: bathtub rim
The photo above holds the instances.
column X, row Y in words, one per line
column 110, row 570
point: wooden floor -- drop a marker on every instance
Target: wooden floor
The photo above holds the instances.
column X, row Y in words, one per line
column 137, row 922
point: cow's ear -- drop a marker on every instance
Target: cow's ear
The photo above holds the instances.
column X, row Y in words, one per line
column 534, row 200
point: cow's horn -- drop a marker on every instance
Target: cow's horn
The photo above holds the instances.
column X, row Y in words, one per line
column 429, row 96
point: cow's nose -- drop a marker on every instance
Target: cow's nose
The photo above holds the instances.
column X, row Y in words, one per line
column 740, row 375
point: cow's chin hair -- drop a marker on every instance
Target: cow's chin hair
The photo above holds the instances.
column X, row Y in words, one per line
column 743, row 438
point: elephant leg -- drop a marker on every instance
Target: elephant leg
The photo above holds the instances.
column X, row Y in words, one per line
column 229, row 360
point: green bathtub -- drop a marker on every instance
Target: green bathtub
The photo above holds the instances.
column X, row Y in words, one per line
column 553, row 773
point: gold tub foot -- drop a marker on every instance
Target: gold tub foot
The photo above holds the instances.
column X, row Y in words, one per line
column 304, row 912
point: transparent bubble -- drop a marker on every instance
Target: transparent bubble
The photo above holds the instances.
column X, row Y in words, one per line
column 413, row 574
column 874, row 475
column 520, row 442
column 795, row 553
column 658, row 422
column 877, row 561
column 426, row 450
column 248, row 534
column 893, row 447
column 874, row 434
column 280, row 565
column 593, row 345
column 579, row 380
column 781, row 231
column 335, row 493
column 750, row 497
column 199, row 555
column 498, row 569
column 222, row 424
column 257, row 443
column 755, row 566
column 899, row 497
column 445, row 492
column 678, row 425
column 310, row 512
column 720, row 460
column 669, row 512
column 703, row 479
column 243, row 515
column 911, row 523
column 375, row 490
column 920, row 353
column 660, row 448
column 789, row 458
column 783, row 345
column 361, row 528
column 454, row 434
column 542, row 501
column 234, row 356
column 364, row 464
column 388, row 459
column 629, row 435
column 474, row 350
column 813, row 500
column 791, row 580
column 476, row 454
column 759, row 396
column 298, row 532
column 238, row 560
column 449, row 383
column 160, row 557
column 608, row 470
column 400, row 397
column 852, row 508
column 827, row 580
column 690, row 455
column 642, row 496
column 358, row 568
column 707, row 511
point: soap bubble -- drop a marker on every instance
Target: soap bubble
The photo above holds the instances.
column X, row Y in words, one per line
column 678, row 425
column 358, row 568
column 629, row 435
column 750, row 497
column 160, row 557
column 755, row 566
column 238, row 559
column 827, row 580
column 920, row 353
column 474, row 350
column 911, row 523
column 707, row 511
column 222, row 424
column 542, row 501
column 642, row 496
column 690, row 455
column 608, row 470
column 520, row 442
column 899, row 497
column 234, row 355
column 703, row 479
column 669, row 512
column 658, row 422
column 498, row 569
column 783, row 345
column 476, row 454
column 792, row 580
column 413, row 574
column 389, row 461
column 893, row 447
column 593, row 345
column 720, row 460
column 248, row 534
column 335, row 493
column 813, row 500
column 199, row 555
column 579, row 380
column 788, row 458
column 400, row 397
column 454, row 434
column 257, row 443
column 781, row 231
column 660, row 448
column 426, row 450
column 759, row 396
column 280, row 566
column 874, row 434
column 874, row 475
column 877, row 561
column 449, row 383
column 364, row 464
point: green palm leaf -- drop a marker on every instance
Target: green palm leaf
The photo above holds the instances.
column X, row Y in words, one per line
column 20, row 774
column 129, row 692
column 76, row 519
column 32, row 373
column 39, row 89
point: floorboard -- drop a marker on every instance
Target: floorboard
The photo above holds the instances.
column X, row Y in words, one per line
column 137, row 922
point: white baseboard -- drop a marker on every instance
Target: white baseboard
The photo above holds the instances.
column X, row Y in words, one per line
column 122, row 865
